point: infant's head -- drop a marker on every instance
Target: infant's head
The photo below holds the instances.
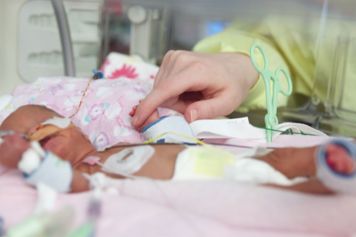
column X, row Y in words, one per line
column 26, row 118
column 67, row 143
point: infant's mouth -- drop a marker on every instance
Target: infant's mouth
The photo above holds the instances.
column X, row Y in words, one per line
column 45, row 140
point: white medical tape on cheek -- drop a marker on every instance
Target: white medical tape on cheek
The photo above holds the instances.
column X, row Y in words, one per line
column 58, row 122
column 175, row 124
column 331, row 179
column 129, row 160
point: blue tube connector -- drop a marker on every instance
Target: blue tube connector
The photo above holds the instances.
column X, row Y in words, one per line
column 98, row 74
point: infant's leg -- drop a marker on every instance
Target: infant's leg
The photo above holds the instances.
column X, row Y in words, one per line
column 294, row 162
column 313, row 185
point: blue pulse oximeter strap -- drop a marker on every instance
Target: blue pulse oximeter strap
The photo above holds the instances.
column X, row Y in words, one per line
column 169, row 124
column 337, row 182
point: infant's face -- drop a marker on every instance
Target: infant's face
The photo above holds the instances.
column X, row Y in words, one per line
column 26, row 119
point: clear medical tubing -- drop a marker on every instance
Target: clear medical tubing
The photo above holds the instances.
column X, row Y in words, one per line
column 68, row 59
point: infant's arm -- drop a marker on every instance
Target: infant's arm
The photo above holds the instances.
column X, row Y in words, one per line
column 11, row 150
column 79, row 182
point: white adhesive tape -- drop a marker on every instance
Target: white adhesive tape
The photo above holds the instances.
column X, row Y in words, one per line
column 129, row 160
column 58, row 122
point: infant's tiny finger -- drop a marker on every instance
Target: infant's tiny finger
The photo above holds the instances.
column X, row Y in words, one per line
column 133, row 111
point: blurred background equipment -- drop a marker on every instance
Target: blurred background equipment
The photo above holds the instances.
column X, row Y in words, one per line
column 30, row 43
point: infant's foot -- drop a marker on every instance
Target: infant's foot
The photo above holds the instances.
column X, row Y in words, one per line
column 152, row 118
column 339, row 160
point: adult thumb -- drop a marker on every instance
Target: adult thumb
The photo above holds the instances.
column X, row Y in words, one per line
column 207, row 109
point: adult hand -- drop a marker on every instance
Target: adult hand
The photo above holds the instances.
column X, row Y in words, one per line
column 201, row 86
column 11, row 150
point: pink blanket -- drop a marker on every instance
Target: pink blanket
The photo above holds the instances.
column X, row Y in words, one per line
column 104, row 113
column 209, row 208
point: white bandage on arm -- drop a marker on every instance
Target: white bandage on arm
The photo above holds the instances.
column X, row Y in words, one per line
column 96, row 180
column 169, row 124
column 337, row 182
column 49, row 170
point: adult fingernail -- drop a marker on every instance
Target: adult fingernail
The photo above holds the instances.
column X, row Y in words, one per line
column 193, row 115
column 134, row 120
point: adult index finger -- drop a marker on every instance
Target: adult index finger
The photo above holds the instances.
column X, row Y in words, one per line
column 159, row 95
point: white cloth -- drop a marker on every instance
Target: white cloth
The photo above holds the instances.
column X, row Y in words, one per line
column 199, row 163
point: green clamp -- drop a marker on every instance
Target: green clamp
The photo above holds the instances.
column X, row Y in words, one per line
column 271, row 119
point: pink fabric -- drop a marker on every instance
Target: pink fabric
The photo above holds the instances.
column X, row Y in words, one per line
column 91, row 160
column 147, row 208
column 104, row 113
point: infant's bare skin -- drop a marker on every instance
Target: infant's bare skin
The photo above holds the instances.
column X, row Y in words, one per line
column 297, row 162
column 72, row 145
column 152, row 118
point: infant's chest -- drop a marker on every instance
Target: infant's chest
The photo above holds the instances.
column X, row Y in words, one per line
column 90, row 164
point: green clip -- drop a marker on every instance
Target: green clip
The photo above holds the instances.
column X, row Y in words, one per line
column 271, row 119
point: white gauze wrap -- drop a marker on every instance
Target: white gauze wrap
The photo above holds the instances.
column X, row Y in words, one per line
column 128, row 161
column 174, row 124
column 341, row 183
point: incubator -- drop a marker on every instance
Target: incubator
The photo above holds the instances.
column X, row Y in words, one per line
column 318, row 33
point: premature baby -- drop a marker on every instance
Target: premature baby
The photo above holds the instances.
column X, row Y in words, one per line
column 156, row 162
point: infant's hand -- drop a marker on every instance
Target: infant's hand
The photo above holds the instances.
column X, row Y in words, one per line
column 11, row 150
column 152, row 118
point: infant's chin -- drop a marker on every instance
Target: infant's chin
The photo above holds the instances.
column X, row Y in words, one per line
column 56, row 147
column 44, row 141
